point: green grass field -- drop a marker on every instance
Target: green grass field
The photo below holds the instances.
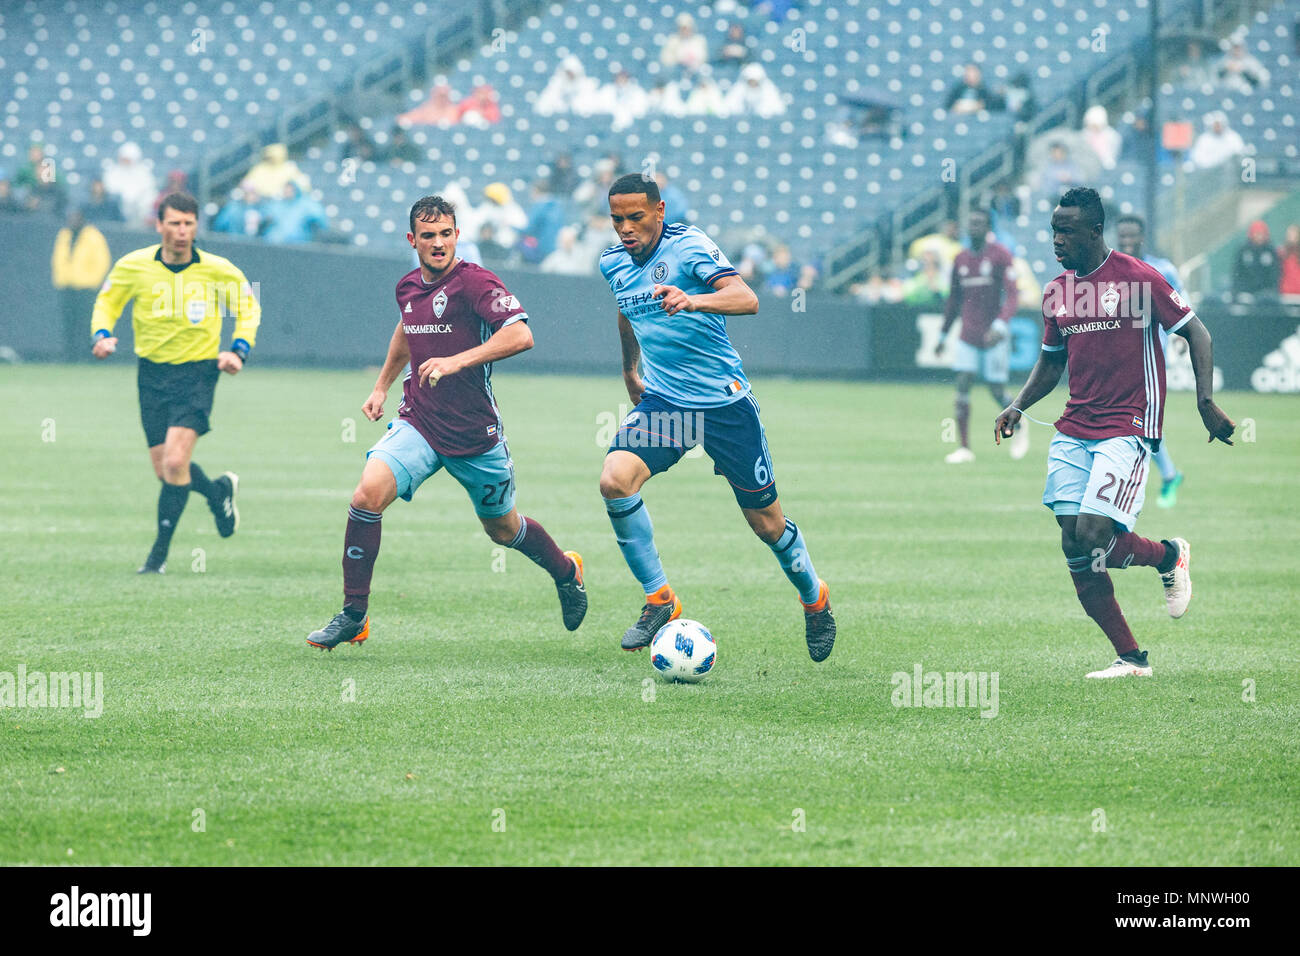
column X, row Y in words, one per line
column 481, row 732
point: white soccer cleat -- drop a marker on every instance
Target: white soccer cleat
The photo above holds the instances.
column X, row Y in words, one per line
column 1178, row 582
column 1020, row 442
column 959, row 457
column 1125, row 668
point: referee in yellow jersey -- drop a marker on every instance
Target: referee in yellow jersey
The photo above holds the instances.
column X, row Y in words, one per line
column 180, row 295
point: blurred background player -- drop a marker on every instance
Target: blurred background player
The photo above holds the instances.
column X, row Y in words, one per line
column 1097, row 462
column 674, row 289
column 177, row 334
column 983, row 292
column 454, row 320
column 1130, row 233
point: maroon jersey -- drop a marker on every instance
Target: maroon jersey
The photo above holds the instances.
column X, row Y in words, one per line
column 460, row 311
column 984, row 287
column 1116, row 363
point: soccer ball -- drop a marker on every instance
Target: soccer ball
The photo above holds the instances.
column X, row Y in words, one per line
column 683, row 651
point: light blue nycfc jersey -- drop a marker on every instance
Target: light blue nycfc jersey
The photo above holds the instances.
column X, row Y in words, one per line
column 688, row 358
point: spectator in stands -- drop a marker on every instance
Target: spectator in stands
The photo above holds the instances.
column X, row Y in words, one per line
column 1217, row 144
column 592, row 196
column 569, row 258
column 705, row 98
column 1257, row 270
column 1137, row 138
column 753, row 261
column 542, row 230
column 130, row 181
column 563, row 178
column 782, row 275
column 294, row 217
column 480, row 108
column 1017, row 97
column 356, row 144
column 1194, row 71
column 1101, row 137
column 970, row 95
column 624, row 99
column 240, row 215
column 38, row 183
column 1240, row 72
column 439, row 109
column 78, row 267
column 735, row 48
column 809, row 273
column 754, row 93
column 1004, row 206
column 676, row 205
column 943, row 242
column 9, row 204
column 505, row 215
column 399, row 149
column 493, row 254
column 928, row 286
column 1289, row 257
column 878, row 289
column 569, row 90
column 101, row 207
column 273, row 172
column 1060, row 172
column 685, row 50
column 775, row 10
column 177, row 182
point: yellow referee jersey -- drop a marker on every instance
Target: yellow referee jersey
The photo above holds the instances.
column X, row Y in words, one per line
column 177, row 314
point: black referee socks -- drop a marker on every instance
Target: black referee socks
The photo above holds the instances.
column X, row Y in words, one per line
column 200, row 483
column 171, row 502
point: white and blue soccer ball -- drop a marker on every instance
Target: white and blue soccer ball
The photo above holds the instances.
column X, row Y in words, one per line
column 683, row 651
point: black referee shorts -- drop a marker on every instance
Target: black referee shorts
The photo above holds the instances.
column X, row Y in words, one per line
column 175, row 395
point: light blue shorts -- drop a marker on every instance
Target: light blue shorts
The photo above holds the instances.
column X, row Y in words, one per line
column 1103, row 476
column 488, row 478
column 992, row 364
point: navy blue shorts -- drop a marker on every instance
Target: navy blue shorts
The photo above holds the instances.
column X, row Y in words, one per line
column 659, row 433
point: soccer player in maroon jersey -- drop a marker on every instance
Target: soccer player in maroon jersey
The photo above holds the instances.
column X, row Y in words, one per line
column 1101, row 315
column 983, row 290
column 454, row 320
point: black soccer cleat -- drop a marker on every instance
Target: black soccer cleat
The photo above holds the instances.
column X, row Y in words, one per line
column 341, row 630
column 222, row 503
column 819, row 625
column 653, row 617
column 152, row 567
column 573, row 595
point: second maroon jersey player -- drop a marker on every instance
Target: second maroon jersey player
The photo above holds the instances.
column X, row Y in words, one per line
column 1100, row 317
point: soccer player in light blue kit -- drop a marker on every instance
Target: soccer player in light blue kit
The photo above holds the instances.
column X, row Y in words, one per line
column 674, row 289
column 1130, row 231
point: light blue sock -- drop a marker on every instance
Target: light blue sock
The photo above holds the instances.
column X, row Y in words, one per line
column 792, row 553
column 636, row 539
column 1166, row 463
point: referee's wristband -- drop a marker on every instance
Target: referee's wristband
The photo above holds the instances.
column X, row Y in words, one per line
column 102, row 334
column 241, row 348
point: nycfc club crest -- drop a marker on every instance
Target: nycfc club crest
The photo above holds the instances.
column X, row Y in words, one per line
column 439, row 304
column 1110, row 301
column 660, row 272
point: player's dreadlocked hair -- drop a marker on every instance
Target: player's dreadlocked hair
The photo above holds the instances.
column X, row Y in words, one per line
column 1088, row 203
column 636, row 183
column 430, row 208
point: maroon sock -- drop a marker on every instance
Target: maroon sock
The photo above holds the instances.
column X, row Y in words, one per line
column 542, row 550
column 963, row 420
column 1127, row 548
column 360, row 548
column 1097, row 595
